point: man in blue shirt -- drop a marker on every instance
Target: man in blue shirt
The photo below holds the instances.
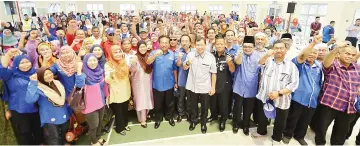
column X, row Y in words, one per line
column 164, row 81
column 246, row 83
column 328, row 32
column 180, row 57
column 305, row 98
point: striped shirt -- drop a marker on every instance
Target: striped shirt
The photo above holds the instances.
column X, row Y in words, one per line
column 340, row 87
column 275, row 77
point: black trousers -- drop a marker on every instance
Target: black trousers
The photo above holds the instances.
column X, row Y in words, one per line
column 193, row 101
column 163, row 104
column 353, row 40
column 120, row 111
column 94, row 120
column 219, row 104
column 181, row 101
column 298, row 120
column 279, row 125
column 352, row 124
column 55, row 134
column 247, row 104
column 340, row 128
column 27, row 128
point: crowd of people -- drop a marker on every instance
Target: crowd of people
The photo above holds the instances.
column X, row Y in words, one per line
column 163, row 64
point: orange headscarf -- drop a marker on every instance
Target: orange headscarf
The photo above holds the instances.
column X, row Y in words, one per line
column 40, row 58
column 119, row 65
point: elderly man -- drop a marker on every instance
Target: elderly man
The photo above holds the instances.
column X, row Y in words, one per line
column 305, row 98
column 201, row 83
column 279, row 79
column 260, row 43
column 341, row 86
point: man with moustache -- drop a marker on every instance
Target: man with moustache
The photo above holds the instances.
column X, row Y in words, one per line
column 201, row 83
column 279, row 79
column 180, row 57
column 246, row 84
column 164, row 81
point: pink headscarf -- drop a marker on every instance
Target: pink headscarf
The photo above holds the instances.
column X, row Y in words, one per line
column 67, row 65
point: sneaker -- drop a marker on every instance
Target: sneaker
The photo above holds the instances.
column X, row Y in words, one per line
column 274, row 142
column 286, row 140
column 256, row 135
column 302, row 141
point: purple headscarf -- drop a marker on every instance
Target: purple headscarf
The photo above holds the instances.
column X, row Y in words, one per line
column 92, row 75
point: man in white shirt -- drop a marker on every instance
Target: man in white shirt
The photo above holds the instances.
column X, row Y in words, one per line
column 96, row 35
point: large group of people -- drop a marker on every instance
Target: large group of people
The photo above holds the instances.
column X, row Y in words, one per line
column 163, row 64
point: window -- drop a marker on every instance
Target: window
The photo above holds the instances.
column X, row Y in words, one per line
column 236, row 8
column 274, row 10
column 357, row 15
column 307, row 16
column 54, row 8
column 251, row 11
column 96, row 8
column 188, row 8
column 216, row 9
column 127, row 9
column 71, row 8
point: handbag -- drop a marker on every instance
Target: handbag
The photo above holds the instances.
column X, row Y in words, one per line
column 76, row 99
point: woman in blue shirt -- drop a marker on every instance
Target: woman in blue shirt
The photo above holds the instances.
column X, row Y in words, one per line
column 50, row 96
column 24, row 116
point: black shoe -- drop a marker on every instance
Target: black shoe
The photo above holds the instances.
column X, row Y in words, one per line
column 144, row 126
column 179, row 119
column 212, row 119
column 222, row 126
column 157, row 125
column 172, row 122
column 246, row 131
column 235, row 128
column 230, row 116
column 192, row 126
column 302, row 141
column 203, row 129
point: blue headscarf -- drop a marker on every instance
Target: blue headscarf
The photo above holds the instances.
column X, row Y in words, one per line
column 17, row 72
column 102, row 59
column 53, row 30
column 92, row 75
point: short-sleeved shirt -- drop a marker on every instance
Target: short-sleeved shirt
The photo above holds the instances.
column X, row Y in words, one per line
column 182, row 74
column 340, row 87
column 327, row 32
column 199, row 77
column 163, row 71
column 223, row 75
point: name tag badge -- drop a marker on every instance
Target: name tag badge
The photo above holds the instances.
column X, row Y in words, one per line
column 170, row 58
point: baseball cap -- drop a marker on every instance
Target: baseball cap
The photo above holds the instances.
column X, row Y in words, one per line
column 143, row 30
column 269, row 109
column 110, row 30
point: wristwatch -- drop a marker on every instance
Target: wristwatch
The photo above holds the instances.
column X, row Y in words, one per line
column 187, row 63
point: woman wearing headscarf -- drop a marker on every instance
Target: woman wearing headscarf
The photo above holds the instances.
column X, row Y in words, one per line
column 94, row 92
column 295, row 26
column 45, row 55
column 141, row 83
column 8, row 40
column 117, row 77
column 86, row 46
column 128, row 49
column 154, row 38
column 65, row 67
column 23, row 116
column 49, row 94
column 99, row 54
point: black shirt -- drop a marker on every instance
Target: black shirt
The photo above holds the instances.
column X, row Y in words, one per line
column 223, row 75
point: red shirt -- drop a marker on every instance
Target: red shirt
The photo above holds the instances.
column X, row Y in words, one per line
column 70, row 38
column 107, row 47
column 340, row 87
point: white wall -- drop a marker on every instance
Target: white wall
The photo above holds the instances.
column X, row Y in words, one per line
column 340, row 11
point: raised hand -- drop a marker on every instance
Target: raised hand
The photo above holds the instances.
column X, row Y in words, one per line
column 317, row 39
column 33, row 77
column 158, row 53
column 228, row 59
column 270, row 52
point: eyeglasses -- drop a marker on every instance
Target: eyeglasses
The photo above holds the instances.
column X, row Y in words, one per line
column 111, row 34
column 173, row 39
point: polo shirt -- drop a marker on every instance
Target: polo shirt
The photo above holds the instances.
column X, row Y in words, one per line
column 223, row 75
column 182, row 74
column 163, row 71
